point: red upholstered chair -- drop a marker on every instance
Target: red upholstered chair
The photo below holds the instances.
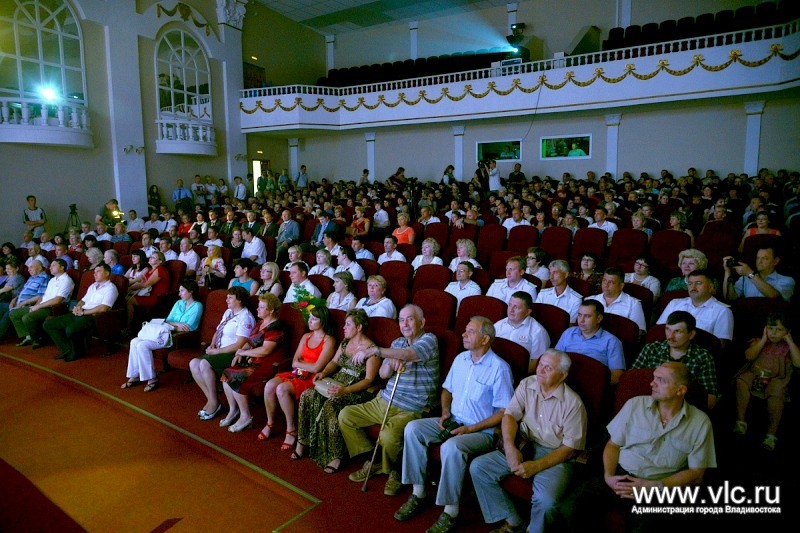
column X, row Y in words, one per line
column 188, row 345
column 479, row 305
column 135, row 235
column 200, row 250
column 626, row 331
column 716, row 245
column 360, row 289
column 370, row 266
column 491, row 238
column 497, row 263
column 323, row 283
column 469, row 231
column 644, row 295
column 409, row 251
column 295, row 324
column 482, row 278
column 516, row 355
column 749, row 315
column 376, row 247
column 383, row 331
column 588, row 240
column 627, row 245
column 666, row 298
column 431, row 277
column 438, row 231
column 398, row 295
column 556, row 242
column 755, row 242
column 338, row 316
column 177, row 273
column 449, row 347
column 397, row 273
column 665, row 246
column 122, row 247
column 520, row 238
column 533, row 279
column 438, row 306
column 105, row 245
column 283, row 277
column 553, row 319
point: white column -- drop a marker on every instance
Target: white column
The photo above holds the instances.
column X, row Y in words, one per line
column 369, row 138
column 230, row 29
column 511, row 9
column 752, row 136
column 294, row 149
column 612, row 143
column 412, row 41
column 125, row 110
column 458, row 152
column 330, row 41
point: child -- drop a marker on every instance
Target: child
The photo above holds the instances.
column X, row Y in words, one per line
column 767, row 375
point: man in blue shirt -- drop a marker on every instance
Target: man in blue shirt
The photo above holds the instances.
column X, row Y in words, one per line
column 302, row 178
column 33, row 289
column 182, row 197
column 589, row 339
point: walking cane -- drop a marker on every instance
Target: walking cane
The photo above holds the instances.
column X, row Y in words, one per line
column 385, row 416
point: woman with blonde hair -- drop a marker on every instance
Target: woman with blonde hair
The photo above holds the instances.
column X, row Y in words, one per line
column 376, row 303
column 637, row 222
column 465, row 251
column 342, row 297
column 688, row 261
column 212, row 268
column 361, row 224
column 677, row 222
column 429, row 255
column 270, row 278
column 403, row 232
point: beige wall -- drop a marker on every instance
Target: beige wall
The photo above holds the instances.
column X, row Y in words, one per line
column 780, row 143
column 289, row 52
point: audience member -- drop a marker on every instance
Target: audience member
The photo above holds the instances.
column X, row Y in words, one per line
column 390, row 251
column 711, row 314
column 504, row 288
column 519, row 326
column 617, row 302
column 561, row 294
column 29, row 317
column 591, row 340
column 763, row 282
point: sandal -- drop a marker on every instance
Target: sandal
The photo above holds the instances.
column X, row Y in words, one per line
column 330, row 469
column 286, row 446
column 151, row 386
column 299, row 454
column 268, row 434
column 129, row 384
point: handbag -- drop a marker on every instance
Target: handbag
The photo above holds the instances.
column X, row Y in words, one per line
column 156, row 330
column 322, row 386
column 144, row 291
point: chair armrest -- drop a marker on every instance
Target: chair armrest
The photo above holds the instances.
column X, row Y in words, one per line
column 185, row 339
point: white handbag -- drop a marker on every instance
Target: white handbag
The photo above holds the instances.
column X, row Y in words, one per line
column 156, row 330
column 322, row 386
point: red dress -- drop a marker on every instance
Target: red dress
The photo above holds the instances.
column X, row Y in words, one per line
column 160, row 288
column 308, row 355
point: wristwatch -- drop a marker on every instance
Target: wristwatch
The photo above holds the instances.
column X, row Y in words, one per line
column 751, row 275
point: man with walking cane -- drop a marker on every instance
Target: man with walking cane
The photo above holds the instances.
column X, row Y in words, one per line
column 407, row 395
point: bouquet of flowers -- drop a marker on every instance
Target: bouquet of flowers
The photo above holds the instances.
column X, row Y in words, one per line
column 306, row 302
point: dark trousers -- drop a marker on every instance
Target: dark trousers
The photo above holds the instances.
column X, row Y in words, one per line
column 68, row 333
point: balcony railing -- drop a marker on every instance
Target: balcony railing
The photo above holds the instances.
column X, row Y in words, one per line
column 184, row 136
column 745, row 62
column 38, row 121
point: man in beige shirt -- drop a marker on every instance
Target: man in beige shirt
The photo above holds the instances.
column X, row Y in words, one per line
column 550, row 418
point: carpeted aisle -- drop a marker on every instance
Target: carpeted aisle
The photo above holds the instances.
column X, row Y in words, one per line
column 111, row 469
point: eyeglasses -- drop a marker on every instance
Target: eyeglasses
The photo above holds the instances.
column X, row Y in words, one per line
column 642, row 264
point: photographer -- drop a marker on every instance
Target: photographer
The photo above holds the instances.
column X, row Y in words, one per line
column 481, row 178
column 764, row 282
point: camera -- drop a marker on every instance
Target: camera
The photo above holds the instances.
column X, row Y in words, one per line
column 73, row 209
column 731, row 262
column 449, row 425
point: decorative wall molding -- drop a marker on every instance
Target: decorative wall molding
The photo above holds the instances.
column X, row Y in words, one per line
column 186, row 13
column 231, row 12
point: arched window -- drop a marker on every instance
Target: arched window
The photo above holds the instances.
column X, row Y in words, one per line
column 41, row 52
column 183, row 78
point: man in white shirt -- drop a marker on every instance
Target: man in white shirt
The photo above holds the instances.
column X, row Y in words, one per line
column 600, row 222
column 361, row 252
column 28, row 320
column 618, row 302
column 44, row 242
column 213, row 238
column 68, row 331
column 189, row 256
column 390, row 251
column 561, row 294
column 427, row 216
column 35, row 254
column 347, row 263
column 515, row 220
column 154, row 223
column 520, row 327
column 165, row 247
column 86, row 229
column 463, row 286
column 168, row 221
column 102, row 232
column 147, row 245
column 298, row 273
column 239, row 190
column 380, row 220
column 504, row 288
column 134, row 223
column 494, row 176
column 711, row 314
column 254, row 248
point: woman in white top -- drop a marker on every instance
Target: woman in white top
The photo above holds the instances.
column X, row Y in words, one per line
column 641, row 276
column 465, row 251
column 323, row 265
column 536, row 266
column 233, row 332
column 342, row 297
column 429, row 256
column 376, row 303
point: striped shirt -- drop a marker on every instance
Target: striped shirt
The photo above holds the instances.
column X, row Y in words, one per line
column 416, row 388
